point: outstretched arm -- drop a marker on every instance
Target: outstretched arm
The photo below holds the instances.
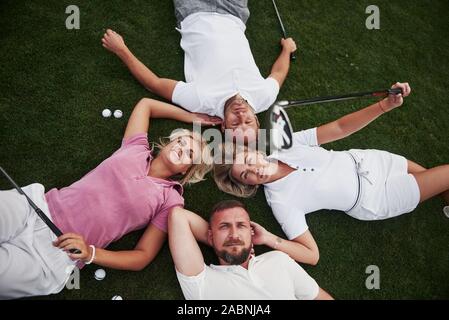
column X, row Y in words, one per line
column 302, row 249
column 184, row 229
column 139, row 122
column 280, row 68
column 164, row 88
column 356, row 121
column 145, row 251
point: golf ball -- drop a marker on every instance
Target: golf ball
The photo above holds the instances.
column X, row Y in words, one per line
column 118, row 114
column 117, row 298
column 446, row 211
column 106, row 113
column 100, row 274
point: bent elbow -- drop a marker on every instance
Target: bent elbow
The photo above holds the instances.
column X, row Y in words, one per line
column 315, row 258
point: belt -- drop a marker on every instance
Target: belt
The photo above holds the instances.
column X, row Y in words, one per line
column 360, row 175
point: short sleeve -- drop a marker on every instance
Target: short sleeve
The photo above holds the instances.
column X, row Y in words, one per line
column 267, row 95
column 305, row 286
column 173, row 200
column 140, row 139
column 272, row 89
column 292, row 221
column 192, row 286
column 306, row 137
column 186, row 96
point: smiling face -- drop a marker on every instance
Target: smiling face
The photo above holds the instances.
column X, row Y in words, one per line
column 241, row 119
column 230, row 235
column 181, row 153
column 253, row 168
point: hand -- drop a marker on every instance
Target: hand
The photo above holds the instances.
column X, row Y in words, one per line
column 205, row 119
column 74, row 241
column 289, row 45
column 259, row 233
column 396, row 100
column 113, row 42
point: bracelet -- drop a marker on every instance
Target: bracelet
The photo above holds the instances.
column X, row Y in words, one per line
column 93, row 255
column 277, row 243
column 380, row 106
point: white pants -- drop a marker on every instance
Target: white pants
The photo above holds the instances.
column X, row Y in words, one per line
column 29, row 264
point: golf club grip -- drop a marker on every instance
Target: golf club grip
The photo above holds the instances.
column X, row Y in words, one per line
column 293, row 56
column 48, row 222
column 395, row 91
column 53, row 228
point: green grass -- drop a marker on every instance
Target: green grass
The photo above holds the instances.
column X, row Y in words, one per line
column 54, row 84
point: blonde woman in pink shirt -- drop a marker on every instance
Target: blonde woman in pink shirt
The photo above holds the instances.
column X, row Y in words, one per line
column 133, row 189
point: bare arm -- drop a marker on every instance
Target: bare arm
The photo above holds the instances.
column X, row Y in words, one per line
column 164, row 88
column 323, row 295
column 356, row 121
column 281, row 66
column 139, row 121
column 302, row 249
column 184, row 229
column 145, row 251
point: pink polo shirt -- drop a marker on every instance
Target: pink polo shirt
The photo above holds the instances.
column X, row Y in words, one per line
column 115, row 198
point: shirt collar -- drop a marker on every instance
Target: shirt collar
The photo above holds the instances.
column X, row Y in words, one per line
column 225, row 268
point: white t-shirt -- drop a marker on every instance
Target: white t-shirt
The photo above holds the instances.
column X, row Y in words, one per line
column 271, row 276
column 323, row 180
column 218, row 65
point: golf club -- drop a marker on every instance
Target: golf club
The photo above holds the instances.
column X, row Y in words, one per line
column 351, row 96
column 284, row 32
column 39, row 212
column 279, row 127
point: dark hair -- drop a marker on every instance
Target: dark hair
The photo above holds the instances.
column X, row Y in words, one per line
column 225, row 205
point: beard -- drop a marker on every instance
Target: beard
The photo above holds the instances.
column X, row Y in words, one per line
column 234, row 259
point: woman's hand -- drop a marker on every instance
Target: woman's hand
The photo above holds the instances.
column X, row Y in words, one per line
column 205, row 119
column 396, row 100
column 113, row 42
column 70, row 241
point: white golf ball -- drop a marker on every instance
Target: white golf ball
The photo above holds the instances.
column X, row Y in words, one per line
column 446, row 211
column 106, row 113
column 118, row 114
column 100, row 274
column 117, row 298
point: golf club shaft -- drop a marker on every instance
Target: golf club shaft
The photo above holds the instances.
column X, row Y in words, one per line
column 38, row 211
column 284, row 32
column 352, row 96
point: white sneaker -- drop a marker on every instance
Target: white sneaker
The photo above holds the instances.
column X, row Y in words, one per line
column 446, row 211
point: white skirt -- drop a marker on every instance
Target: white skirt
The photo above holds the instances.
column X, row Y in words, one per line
column 387, row 189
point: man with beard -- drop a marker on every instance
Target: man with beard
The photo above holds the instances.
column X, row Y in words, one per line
column 240, row 275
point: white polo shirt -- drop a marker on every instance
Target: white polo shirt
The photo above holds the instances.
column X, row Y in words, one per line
column 218, row 65
column 271, row 276
column 323, row 180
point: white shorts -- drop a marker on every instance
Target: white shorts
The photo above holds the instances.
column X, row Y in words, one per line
column 388, row 190
column 29, row 264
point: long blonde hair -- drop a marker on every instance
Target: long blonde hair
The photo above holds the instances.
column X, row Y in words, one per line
column 224, row 179
column 196, row 172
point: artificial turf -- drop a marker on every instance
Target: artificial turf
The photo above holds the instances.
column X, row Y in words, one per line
column 55, row 82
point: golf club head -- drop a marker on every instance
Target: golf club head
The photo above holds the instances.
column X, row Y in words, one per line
column 280, row 128
column 446, row 211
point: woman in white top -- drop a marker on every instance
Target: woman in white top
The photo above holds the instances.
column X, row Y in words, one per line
column 366, row 184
